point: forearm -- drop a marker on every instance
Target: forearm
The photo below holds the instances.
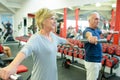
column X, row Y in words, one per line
column 92, row 39
column 18, row 59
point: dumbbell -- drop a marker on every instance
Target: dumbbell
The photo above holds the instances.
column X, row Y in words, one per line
column 104, row 48
column 112, row 62
column 81, row 54
column 67, row 48
column 109, row 63
column 65, row 51
column 70, row 52
column 80, row 44
column 75, row 51
column 109, row 37
column 59, row 46
column 99, row 41
column 115, row 59
column 104, row 58
column 117, row 51
column 61, row 49
column 111, row 49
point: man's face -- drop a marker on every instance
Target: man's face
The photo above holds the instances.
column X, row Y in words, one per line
column 94, row 21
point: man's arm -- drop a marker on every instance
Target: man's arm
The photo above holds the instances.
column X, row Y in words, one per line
column 92, row 39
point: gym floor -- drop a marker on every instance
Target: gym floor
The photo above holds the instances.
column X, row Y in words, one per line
column 63, row 74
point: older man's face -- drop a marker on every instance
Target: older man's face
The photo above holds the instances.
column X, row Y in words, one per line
column 94, row 20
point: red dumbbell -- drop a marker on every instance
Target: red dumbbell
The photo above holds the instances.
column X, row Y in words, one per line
column 75, row 53
column 62, row 49
column 104, row 47
column 109, row 63
column 65, row 51
column 80, row 45
column 81, row 54
column 117, row 51
column 115, row 59
column 112, row 61
column 104, row 58
column 70, row 52
column 111, row 49
column 58, row 48
column 103, row 61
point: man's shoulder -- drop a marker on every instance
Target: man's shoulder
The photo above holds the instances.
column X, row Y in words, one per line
column 87, row 29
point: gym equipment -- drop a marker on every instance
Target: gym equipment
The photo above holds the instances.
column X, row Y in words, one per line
column 111, row 62
column 106, row 60
column 75, row 53
column 22, row 39
column 7, row 36
column 21, row 69
column 104, row 48
column 107, row 40
column 99, row 41
column 117, row 51
column 4, row 61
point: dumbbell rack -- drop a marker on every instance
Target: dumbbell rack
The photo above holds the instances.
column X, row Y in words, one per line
column 108, row 60
column 111, row 59
column 73, row 53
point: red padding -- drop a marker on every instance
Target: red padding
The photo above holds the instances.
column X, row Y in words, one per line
column 1, row 49
column 23, row 38
column 21, row 69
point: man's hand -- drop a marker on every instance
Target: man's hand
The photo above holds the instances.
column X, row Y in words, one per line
column 109, row 31
column 113, row 32
column 93, row 39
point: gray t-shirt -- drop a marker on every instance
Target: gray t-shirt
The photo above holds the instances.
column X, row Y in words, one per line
column 44, row 54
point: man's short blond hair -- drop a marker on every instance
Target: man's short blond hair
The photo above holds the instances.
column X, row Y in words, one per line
column 43, row 14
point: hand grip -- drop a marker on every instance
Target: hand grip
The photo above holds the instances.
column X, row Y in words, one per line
column 14, row 77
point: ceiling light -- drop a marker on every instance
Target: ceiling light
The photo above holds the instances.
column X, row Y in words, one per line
column 113, row 5
column 98, row 4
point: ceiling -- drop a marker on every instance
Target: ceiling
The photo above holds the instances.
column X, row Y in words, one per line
column 104, row 9
column 11, row 6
